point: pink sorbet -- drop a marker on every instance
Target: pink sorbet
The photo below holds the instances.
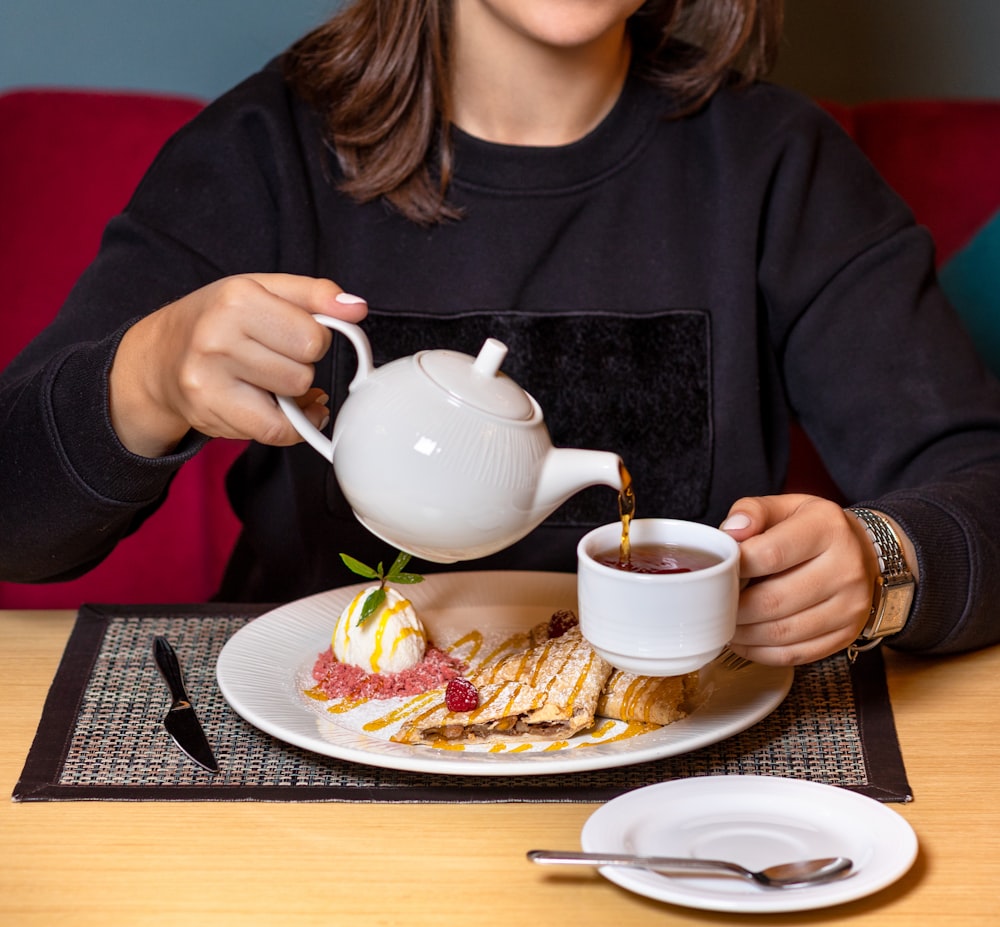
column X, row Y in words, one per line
column 341, row 680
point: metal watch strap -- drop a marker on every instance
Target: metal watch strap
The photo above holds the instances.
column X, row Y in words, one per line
column 895, row 578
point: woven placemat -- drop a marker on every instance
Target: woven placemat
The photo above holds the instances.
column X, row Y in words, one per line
column 100, row 736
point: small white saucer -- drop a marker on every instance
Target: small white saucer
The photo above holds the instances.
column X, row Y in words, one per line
column 756, row 821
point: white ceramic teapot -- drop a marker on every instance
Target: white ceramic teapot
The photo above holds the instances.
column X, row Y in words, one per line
column 445, row 457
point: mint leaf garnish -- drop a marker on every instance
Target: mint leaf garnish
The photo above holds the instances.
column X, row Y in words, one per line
column 395, row 575
column 356, row 566
column 372, row 604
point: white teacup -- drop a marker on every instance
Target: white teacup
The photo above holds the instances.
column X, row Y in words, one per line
column 658, row 624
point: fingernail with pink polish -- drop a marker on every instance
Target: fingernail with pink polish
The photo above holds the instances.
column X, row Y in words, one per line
column 349, row 299
column 736, row 522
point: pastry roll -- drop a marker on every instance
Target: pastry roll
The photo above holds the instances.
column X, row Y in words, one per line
column 566, row 667
column 626, row 696
column 507, row 709
column 548, row 692
column 655, row 699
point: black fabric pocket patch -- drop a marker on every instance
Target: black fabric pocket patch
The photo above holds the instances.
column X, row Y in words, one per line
column 636, row 385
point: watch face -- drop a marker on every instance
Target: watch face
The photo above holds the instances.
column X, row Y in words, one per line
column 896, row 602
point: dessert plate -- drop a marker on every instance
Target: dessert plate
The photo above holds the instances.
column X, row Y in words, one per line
column 264, row 671
column 756, row 821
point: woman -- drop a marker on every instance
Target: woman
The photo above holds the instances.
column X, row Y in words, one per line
column 679, row 258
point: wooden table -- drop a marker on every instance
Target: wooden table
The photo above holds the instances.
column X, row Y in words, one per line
column 283, row 865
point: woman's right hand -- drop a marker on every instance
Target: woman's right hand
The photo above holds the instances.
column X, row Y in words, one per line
column 214, row 359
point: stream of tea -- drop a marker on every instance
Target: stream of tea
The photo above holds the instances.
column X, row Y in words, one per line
column 626, row 509
column 650, row 557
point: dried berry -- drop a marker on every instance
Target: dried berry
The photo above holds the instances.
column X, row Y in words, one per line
column 561, row 622
column 461, row 695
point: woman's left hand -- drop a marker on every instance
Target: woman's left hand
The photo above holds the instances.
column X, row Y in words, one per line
column 808, row 569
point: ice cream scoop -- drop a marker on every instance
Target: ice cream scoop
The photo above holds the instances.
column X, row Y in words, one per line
column 390, row 640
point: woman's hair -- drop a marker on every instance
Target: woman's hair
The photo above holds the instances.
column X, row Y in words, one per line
column 378, row 71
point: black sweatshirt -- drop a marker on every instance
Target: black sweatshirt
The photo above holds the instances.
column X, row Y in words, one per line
column 672, row 290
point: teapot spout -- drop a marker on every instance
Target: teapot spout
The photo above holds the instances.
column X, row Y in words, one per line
column 568, row 470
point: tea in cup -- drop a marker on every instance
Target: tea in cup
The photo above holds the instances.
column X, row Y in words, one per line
column 670, row 608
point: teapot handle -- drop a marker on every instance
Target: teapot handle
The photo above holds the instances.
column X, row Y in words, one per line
column 363, row 348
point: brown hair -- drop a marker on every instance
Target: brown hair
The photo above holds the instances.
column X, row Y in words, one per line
column 378, row 71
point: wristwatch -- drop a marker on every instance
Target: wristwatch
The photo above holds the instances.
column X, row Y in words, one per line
column 894, row 588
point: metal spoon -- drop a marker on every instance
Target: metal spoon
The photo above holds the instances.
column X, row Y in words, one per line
column 785, row 875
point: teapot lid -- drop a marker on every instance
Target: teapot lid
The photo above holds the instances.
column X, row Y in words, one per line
column 479, row 382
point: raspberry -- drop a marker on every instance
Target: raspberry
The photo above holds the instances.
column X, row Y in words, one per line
column 561, row 622
column 461, row 695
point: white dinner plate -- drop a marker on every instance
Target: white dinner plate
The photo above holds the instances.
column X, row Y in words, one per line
column 756, row 821
column 264, row 671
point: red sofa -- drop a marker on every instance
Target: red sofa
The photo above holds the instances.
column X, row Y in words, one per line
column 68, row 162
column 69, row 159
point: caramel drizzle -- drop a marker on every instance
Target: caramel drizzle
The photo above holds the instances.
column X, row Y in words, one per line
column 383, row 624
column 350, row 614
column 408, row 708
column 632, row 729
column 344, row 705
column 634, row 695
column 515, row 691
column 475, row 638
column 605, row 727
column 541, row 667
column 513, row 644
column 580, row 680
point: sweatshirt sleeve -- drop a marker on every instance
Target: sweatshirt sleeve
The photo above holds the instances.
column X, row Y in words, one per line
column 69, row 490
column 884, row 378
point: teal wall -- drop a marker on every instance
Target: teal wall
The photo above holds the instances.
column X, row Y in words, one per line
column 849, row 50
column 197, row 47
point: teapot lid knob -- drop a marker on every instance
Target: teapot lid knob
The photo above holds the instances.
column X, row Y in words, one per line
column 479, row 381
column 491, row 356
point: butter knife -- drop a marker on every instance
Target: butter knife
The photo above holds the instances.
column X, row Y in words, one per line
column 181, row 722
